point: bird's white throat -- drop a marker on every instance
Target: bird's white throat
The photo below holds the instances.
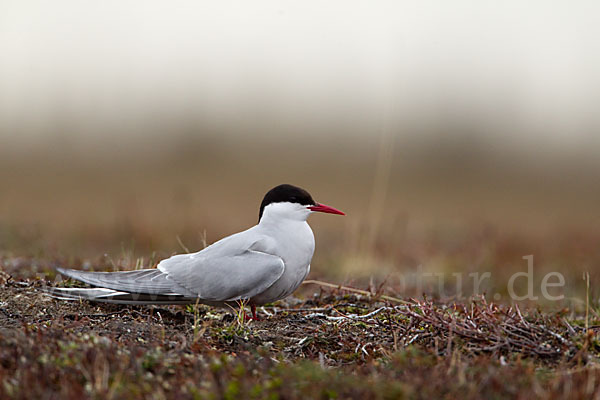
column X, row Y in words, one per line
column 284, row 211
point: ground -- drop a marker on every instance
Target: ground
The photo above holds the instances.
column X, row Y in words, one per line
column 331, row 344
column 131, row 211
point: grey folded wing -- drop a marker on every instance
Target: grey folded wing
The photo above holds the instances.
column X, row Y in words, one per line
column 224, row 277
column 148, row 281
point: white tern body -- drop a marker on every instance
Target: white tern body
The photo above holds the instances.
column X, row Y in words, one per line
column 262, row 264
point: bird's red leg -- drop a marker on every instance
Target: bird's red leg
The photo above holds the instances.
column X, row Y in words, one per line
column 254, row 316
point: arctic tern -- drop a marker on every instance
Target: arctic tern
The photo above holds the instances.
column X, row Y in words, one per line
column 259, row 265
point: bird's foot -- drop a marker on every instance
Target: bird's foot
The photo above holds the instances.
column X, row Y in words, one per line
column 254, row 316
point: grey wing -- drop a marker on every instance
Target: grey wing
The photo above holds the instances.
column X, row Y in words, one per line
column 149, row 281
column 225, row 277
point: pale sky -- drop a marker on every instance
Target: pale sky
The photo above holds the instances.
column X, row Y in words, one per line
column 513, row 64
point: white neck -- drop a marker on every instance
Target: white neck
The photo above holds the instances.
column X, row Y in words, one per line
column 279, row 212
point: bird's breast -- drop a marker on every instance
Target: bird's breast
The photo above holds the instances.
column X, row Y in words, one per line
column 295, row 244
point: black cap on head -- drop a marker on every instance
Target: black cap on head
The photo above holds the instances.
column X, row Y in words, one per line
column 286, row 193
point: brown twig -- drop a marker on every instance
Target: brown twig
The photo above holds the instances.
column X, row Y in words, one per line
column 354, row 290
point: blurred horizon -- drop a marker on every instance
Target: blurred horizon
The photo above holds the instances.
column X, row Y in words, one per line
column 86, row 71
column 454, row 134
column 520, row 80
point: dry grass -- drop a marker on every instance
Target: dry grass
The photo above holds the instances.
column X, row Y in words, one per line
column 333, row 345
column 131, row 212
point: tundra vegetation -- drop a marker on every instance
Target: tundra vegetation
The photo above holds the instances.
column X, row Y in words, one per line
column 489, row 293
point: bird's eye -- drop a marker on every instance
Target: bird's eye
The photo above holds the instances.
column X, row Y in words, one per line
column 293, row 198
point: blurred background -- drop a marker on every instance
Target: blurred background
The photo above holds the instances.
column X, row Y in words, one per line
column 458, row 136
